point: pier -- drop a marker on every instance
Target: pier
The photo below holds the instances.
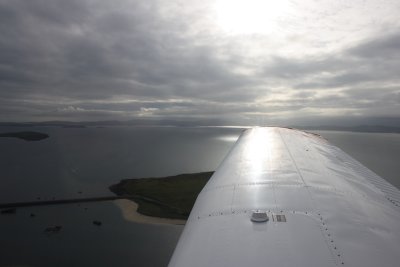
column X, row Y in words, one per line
column 59, row 201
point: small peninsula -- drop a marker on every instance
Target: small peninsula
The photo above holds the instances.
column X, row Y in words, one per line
column 27, row 136
column 169, row 197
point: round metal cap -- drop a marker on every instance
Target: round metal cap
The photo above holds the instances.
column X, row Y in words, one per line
column 259, row 216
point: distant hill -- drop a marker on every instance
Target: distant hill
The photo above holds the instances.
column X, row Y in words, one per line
column 360, row 128
column 144, row 122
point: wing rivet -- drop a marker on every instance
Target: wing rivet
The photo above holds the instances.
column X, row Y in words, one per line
column 259, row 216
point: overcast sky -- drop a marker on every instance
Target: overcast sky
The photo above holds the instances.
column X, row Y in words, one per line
column 233, row 62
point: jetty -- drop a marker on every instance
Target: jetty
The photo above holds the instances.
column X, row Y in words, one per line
column 59, row 201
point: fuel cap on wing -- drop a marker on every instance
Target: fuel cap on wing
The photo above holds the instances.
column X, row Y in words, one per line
column 259, row 216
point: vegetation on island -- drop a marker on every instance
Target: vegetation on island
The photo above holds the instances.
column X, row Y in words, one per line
column 167, row 197
column 27, row 136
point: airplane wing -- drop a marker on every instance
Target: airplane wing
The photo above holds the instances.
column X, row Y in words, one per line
column 284, row 197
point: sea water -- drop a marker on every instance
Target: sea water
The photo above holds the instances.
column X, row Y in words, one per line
column 83, row 162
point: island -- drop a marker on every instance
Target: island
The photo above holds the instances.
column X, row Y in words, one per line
column 27, row 136
column 169, row 197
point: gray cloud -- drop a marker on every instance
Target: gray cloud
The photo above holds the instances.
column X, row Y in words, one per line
column 79, row 60
column 385, row 48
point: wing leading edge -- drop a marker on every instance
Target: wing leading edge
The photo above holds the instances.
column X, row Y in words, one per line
column 324, row 208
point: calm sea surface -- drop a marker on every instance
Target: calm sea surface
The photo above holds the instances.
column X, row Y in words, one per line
column 380, row 152
column 88, row 160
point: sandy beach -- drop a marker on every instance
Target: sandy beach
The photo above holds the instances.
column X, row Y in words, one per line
column 129, row 212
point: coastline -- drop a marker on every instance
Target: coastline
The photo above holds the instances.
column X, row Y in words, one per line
column 129, row 212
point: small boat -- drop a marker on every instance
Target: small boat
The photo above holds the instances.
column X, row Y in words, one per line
column 98, row 223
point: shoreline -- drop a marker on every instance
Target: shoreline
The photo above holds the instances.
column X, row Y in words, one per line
column 129, row 212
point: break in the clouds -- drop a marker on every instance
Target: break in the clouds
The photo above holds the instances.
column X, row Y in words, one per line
column 236, row 62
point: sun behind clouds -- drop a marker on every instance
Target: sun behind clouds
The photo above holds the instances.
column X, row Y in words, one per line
column 242, row 17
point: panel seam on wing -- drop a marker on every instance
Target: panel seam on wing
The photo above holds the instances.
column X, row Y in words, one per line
column 336, row 254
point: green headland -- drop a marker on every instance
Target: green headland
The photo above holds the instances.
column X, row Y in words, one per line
column 167, row 197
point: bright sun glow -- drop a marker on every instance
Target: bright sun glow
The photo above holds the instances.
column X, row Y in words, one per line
column 249, row 16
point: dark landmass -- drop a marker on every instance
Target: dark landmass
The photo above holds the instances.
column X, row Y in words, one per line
column 169, row 197
column 360, row 128
column 382, row 125
column 134, row 122
column 74, row 126
column 27, row 136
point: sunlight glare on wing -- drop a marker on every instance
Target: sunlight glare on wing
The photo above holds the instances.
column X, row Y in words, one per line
column 228, row 138
column 258, row 154
column 249, row 16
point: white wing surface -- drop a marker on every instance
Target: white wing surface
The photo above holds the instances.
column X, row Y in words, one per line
column 324, row 208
